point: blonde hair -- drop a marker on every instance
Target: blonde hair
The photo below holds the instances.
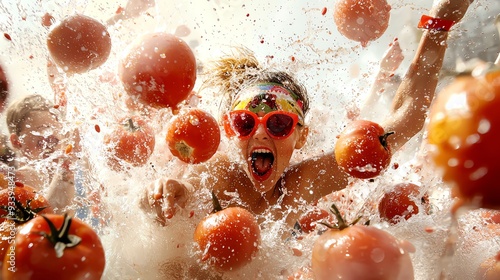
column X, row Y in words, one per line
column 234, row 72
column 18, row 111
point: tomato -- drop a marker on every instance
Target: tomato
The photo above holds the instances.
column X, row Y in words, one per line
column 362, row 149
column 160, row 69
column 228, row 238
column 362, row 21
column 309, row 220
column 8, row 231
column 193, row 136
column 79, row 43
column 463, row 133
column 359, row 252
column 4, row 89
column 402, row 201
column 27, row 203
column 55, row 247
column 132, row 141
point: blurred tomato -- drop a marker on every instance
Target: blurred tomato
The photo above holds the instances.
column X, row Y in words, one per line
column 229, row 238
column 309, row 220
column 362, row 21
column 401, row 202
column 362, row 149
column 193, row 136
column 463, row 132
column 79, row 43
column 21, row 204
column 133, row 141
column 55, row 247
column 160, row 68
column 353, row 252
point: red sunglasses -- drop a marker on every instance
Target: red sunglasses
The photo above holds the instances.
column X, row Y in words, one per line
column 243, row 123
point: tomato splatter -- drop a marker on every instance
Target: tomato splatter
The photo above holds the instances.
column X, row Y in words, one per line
column 7, row 36
column 323, row 11
column 97, row 128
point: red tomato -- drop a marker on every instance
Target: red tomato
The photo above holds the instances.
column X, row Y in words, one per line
column 228, row 239
column 55, row 247
column 132, row 141
column 309, row 220
column 27, row 204
column 362, row 21
column 360, row 252
column 79, row 43
column 160, row 68
column 362, row 149
column 8, row 231
column 193, row 136
column 463, row 131
column 402, row 201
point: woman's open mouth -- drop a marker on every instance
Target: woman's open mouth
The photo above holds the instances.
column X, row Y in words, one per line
column 262, row 163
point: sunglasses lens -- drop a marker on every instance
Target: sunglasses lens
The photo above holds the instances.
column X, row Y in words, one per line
column 280, row 125
column 243, row 123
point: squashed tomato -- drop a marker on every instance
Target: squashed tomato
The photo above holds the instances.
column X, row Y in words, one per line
column 133, row 141
column 402, row 202
column 463, row 133
column 362, row 21
column 160, row 69
column 193, row 136
column 354, row 252
column 55, row 247
column 228, row 238
column 79, row 43
column 362, row 149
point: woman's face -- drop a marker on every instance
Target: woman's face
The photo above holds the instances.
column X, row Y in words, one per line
column 39, row 136
column 267, row 158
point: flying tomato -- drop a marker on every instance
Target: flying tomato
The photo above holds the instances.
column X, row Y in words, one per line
column 160, row 69
column 463, row 133
column 133, row 141
column 402, row 202
column 193, row 136
column 362, row 149
column 228, row 238
column 79, row 43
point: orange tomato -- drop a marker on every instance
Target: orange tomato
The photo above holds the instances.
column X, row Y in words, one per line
column 228, row 238
column 160, row 69
column 362, row 150
column 362, row 21
column 132, row 141
column 360, row 252
column 79, row 43
column 463, row 133
column 193, row 136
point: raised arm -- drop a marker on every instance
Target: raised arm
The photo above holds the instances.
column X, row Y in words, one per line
column 417, row 89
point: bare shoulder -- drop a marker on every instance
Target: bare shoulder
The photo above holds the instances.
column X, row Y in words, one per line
column 315, row 177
